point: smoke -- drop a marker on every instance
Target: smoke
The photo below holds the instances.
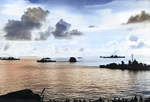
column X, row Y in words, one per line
column 139, row 18
column 21, row 30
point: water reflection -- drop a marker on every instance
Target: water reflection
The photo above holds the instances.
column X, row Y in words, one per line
column 64, row 80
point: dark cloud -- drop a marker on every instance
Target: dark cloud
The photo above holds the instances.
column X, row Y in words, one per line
column 44, row 35
column 33, row 1
column 139, row 18
column 61, row 30
column 21, row 30
column 75, row 32
column 91, row 26
column 7, row 46
column 72, row 3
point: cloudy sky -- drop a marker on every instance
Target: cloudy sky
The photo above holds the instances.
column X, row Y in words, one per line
column 74, row 27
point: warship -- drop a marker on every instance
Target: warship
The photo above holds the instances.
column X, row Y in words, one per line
column 132, row 65
column 9, row 58
column 46, row 60
column 112, row 56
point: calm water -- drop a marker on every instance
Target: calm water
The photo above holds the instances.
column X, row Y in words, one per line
column 72, row 80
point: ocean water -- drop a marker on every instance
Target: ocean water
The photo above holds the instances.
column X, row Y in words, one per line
column 83, row 79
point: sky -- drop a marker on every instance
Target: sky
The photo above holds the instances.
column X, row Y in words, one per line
column 59, row 28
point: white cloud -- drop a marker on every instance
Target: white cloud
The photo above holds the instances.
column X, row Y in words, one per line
column 7, row 46
column 105, row 19
column 108, row 19
column 141, row 30
column 132, row 38
column 133, row 42
column 16, row 8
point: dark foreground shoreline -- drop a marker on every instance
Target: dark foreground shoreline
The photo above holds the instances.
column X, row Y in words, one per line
column 27, row 95
column 133, row 99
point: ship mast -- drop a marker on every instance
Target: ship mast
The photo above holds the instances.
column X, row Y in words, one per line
column 132, row 57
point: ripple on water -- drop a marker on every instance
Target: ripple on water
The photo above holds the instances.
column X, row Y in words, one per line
column 72, row 81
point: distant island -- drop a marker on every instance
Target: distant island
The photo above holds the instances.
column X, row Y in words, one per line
column 27, row 95
column 72, row 59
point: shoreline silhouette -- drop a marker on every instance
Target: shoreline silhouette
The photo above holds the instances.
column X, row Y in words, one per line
column 27, row 95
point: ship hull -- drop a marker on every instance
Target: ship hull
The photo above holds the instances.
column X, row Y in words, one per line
column 10, row 59
column 115, row 57
column 45, row 61
column 126, row 67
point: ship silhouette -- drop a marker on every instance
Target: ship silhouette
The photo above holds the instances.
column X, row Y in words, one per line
column 132, row 65
column 112, row 56
column 9, row 58
column 46, row 60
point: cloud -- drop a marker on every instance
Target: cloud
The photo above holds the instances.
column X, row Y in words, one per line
column 91, row 26
column 112, row 45
column 22, row 30
column 129, row 29
column 33, row 50
column 62, row 30
column 73, row 3
column 75, row 32
column 7, row 46
column 81, row 49
column 139, row 18
column 133, row 42
column 133, row 38
column 65, row 49
column 52, row 49
column 139, row 44
column 44, row 35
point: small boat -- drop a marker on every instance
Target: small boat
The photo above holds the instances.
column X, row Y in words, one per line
column 112, row 56
column 9, row 58
column 72, row 59
column 46, row 60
